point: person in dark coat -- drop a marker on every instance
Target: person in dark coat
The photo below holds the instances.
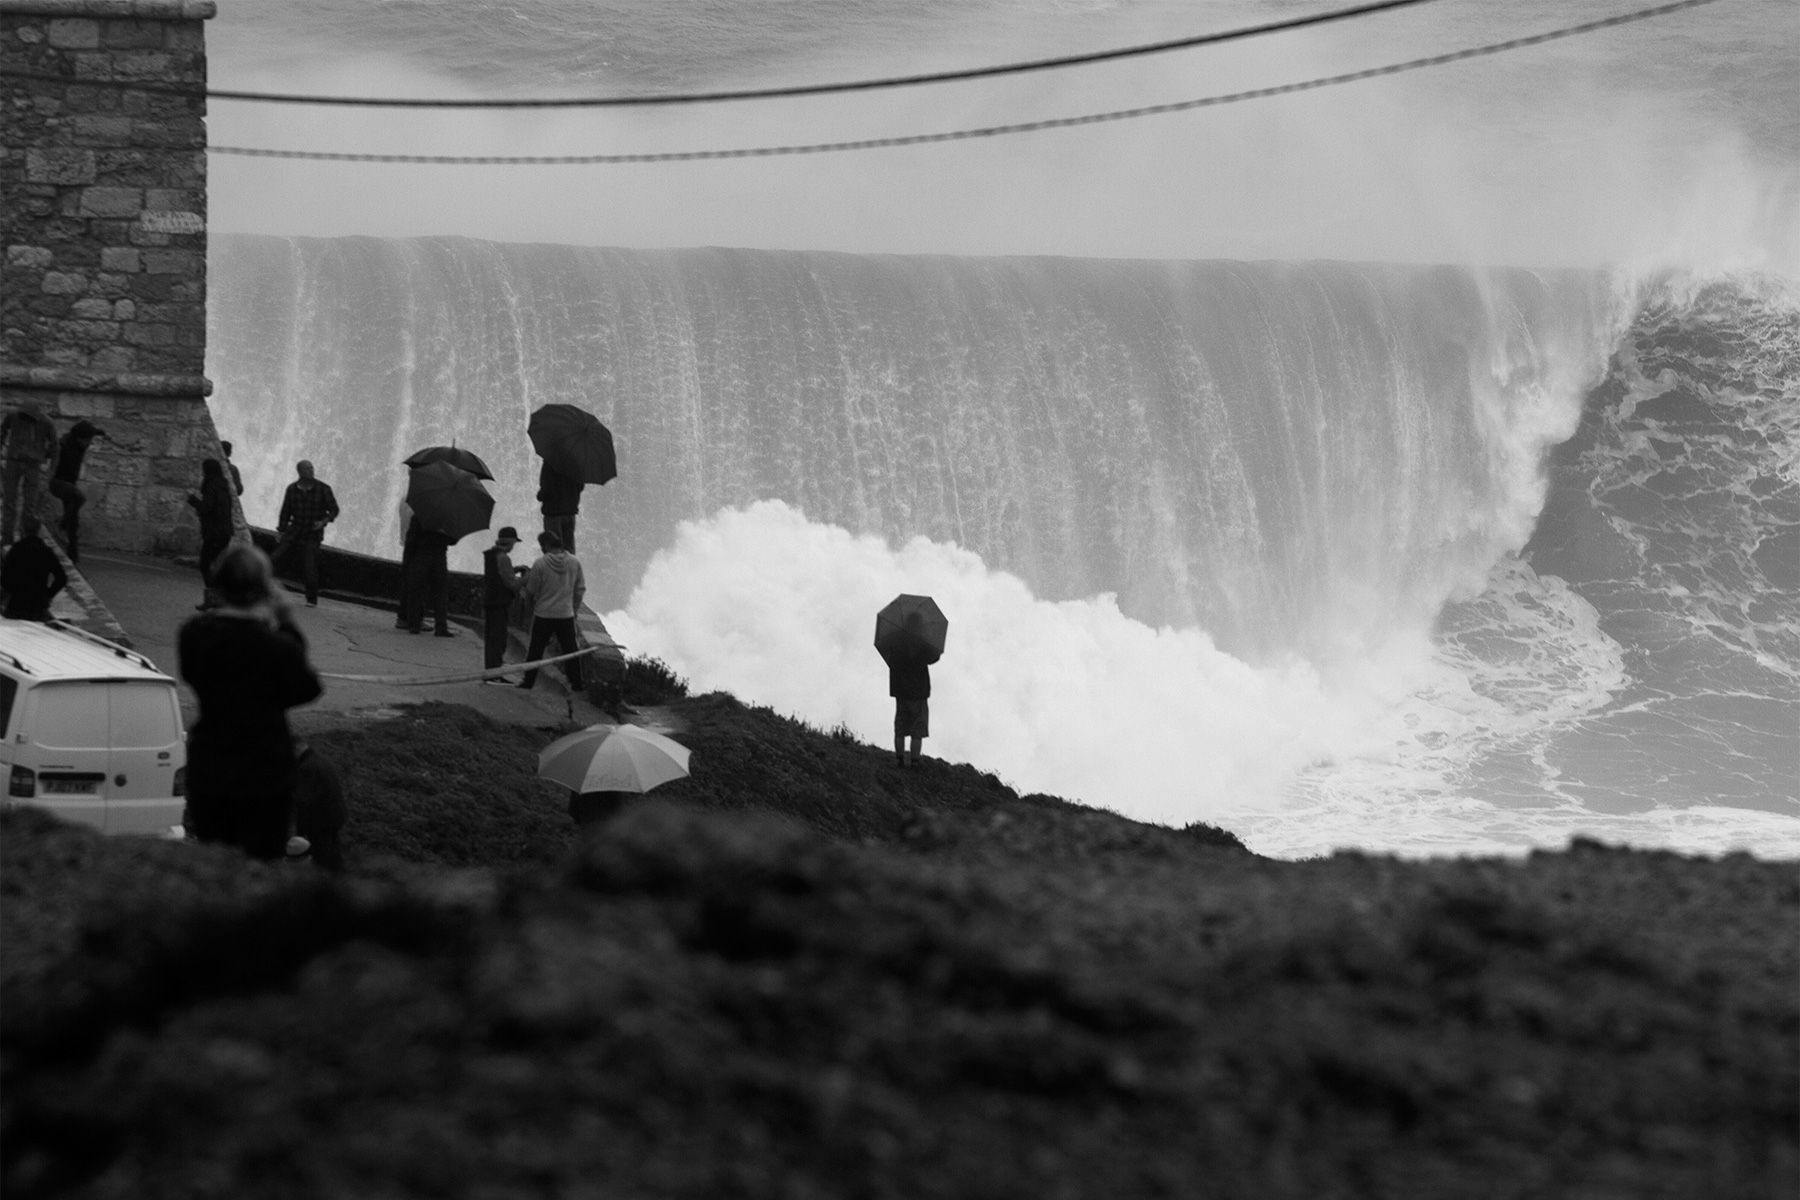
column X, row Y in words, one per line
column 307, row 507
column 319, row 811
column 27, row 440
column 213, row 503
column 246, row 661
column 65, row 482
column 426, row 579
column 560, row 498
column 237, row 481
column 30, row 574
column 500, row 584
column 909, row 683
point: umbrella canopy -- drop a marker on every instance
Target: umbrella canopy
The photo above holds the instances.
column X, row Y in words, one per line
column 613, row 758
column 573, row 442
column 448, row 500
column 897, row 634
column 456, row 456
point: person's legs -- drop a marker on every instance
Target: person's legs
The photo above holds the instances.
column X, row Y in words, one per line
column 437, row 583
column 540, row 637
column 309, row 568
column 493, row 636
column 565, row 637
column 402, row 613
column 72, row 498
column 920, row 727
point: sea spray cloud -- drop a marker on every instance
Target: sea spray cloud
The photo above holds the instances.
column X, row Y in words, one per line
column 1071, row 697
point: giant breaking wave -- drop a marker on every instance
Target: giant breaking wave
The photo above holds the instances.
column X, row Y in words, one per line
column 1227, row 539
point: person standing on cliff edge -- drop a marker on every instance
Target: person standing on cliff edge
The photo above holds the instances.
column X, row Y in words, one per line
column 306, row 508
column 909, row 683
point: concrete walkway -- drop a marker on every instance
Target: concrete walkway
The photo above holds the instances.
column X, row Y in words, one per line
column 146, row 599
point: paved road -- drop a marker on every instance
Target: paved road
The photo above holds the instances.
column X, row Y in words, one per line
column 150, row 598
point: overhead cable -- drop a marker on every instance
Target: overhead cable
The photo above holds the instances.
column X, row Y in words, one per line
column 810, row 89
column 919, row 139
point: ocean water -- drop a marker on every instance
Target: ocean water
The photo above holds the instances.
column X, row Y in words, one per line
column 1250, row 502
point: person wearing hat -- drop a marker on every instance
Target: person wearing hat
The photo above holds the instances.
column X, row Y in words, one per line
column 27, row 440
column 66, row 478
column 499, row 588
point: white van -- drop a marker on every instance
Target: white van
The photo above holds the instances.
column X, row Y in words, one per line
column 92, row 730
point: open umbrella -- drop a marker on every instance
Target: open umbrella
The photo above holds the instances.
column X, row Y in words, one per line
column 456, row 456
column 613, row 758
column 448, row 500
column 895, row 634
column 574, row 443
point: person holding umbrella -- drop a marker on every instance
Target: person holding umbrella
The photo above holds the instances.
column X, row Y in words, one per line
column 427, row 579
column 577, row 450
column 447, row 504
column 909, row 634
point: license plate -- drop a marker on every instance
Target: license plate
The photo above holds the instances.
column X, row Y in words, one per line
column 70, row 787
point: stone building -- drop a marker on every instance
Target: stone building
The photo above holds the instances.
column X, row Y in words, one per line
column 103, row 220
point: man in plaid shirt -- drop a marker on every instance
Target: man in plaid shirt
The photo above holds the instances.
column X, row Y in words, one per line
column 306, row 508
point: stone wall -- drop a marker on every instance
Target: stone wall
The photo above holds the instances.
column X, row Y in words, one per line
column 103, row 220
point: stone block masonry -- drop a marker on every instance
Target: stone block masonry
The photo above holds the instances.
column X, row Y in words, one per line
column 103, row 226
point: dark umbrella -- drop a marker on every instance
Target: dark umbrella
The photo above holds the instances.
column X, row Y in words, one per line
column 448, row 500
column 456, row 456
column 894, row 637
column 573, row 442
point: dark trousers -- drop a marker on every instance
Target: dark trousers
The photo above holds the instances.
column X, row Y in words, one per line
column 428, row 586
column 563, row 630
column 563, row 526
column 256, row 823
column 210, row 549
column 306, row 559
column 72, row 498
column 494, row 635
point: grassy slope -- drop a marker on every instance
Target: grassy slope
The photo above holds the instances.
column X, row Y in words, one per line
column 802, row 972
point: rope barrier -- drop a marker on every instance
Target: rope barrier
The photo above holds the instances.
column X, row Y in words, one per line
column 466, row 676
column 883, row 143
column 810, row 89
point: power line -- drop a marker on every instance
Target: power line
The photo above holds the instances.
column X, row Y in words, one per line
column 919, row 139
column 812, row 89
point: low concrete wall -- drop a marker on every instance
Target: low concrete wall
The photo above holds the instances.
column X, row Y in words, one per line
column 364, row 579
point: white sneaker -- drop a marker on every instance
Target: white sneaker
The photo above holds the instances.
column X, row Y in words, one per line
column 297, row 846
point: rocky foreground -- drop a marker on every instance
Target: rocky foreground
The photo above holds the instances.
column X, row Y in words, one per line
column 805, row 973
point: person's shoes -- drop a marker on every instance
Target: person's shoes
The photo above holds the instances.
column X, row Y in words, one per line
column 526, row 686
column 312, row 604
column 297, row 846
column 445, row 633
column 499, row 682
column 410, row 629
